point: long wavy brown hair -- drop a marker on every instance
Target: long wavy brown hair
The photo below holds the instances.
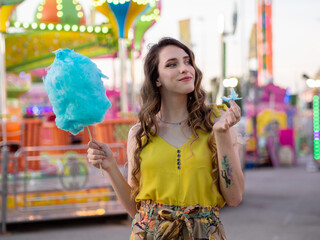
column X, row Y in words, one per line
column 200, row 115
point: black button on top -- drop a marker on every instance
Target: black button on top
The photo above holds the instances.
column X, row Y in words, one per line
column 178, row 159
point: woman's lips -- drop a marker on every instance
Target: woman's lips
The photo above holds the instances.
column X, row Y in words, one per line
column 184, row 79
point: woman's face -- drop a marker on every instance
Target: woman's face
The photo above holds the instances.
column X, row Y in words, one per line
column 176, row 74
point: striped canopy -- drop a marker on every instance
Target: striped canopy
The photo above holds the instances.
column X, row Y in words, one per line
column 149, row 17
column 6, row 7
column 9, row 2
column 121, row 13
column 63, row 11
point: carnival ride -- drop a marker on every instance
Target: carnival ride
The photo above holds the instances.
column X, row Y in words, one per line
column 45, row 175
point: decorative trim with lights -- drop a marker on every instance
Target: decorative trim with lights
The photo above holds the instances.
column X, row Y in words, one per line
column 230, row 82
column 96, row 3
column 155, row 15
column 316, row 127
column 313, row 83
column 61, row 27
column 60, row 10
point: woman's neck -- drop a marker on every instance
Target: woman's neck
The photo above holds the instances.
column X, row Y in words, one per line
column 174, row 109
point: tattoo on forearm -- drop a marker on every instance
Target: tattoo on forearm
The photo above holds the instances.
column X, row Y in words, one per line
column 226, row 171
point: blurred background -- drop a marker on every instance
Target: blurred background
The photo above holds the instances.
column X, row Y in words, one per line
column 268, row 51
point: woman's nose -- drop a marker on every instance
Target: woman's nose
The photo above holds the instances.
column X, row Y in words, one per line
column 183, row 68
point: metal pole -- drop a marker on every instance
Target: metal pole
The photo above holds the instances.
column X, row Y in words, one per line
column 3, row 86
column 256, row 101
column 224, row 52
column 133, row 92
column 223, row 34
column 122, row 46
column 255, row 117
column 3, row 117
column 4, row 192
column 114, row 86
column 222, row 45
column 223, row 71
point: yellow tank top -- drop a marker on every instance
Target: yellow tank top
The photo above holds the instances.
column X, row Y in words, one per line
column 180, row 176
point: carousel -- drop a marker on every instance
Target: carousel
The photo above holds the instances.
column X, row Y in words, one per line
column 44, row 170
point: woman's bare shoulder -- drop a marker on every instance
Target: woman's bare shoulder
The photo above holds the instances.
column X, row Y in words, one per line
column 133, row 131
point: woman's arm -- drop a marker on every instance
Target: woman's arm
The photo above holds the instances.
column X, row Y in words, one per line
column 231, row 179
column 100, row 153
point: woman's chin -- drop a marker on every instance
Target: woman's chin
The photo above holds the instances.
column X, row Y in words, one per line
column 189, row 90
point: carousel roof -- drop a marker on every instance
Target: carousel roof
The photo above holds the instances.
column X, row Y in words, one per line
column 58, row 24
column 60, row 11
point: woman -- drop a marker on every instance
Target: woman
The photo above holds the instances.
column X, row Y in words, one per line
column 183, row 156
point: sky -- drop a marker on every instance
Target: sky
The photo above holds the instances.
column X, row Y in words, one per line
column 296, row 36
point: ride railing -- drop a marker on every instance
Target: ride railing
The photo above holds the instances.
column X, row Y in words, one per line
column 49, row 177
column 65, row 186
column 36, row 132
column 22, row 134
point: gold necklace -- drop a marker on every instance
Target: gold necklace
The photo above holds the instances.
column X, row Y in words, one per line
column 174, row 124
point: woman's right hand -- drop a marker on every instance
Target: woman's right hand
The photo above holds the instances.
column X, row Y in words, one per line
column 100, row 153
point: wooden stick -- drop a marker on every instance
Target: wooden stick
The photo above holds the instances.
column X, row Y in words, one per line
column 91, row 140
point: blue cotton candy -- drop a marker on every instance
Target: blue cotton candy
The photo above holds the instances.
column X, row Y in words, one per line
column 76, row 92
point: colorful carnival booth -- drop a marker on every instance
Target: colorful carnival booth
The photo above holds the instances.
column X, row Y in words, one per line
column 270, row 128
column 46, row 170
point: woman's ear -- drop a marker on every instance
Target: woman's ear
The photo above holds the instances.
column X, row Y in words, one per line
column 158, row 83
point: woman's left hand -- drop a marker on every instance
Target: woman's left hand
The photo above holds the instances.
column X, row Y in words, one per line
column 228, row 119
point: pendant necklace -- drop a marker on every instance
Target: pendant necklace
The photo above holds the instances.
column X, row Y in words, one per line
column 173, row 124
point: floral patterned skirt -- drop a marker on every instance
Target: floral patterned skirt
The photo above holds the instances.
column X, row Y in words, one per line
column 155, row 221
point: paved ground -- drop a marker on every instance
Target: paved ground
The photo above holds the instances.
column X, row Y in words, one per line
column 278, row 204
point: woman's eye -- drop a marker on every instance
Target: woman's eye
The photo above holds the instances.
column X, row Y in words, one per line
column 188, row 62
column 171, row 65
